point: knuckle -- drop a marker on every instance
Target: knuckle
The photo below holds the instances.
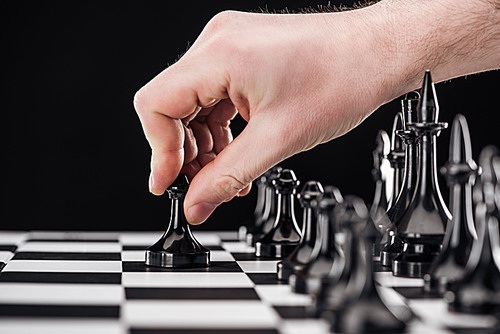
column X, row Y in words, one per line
column 227, row 186
column 140, row 101
column 221, row 21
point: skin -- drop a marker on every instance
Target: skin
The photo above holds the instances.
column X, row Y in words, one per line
column 299, row 80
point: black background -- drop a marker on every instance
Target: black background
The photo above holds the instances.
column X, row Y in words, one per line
column 74, row 154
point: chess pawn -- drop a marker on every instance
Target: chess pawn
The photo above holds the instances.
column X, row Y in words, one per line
column 285, row 234
column 380, row 173
column 423, row 226
column 478, row 291
column 265, row 222
column 177, row 247
column 256, row 221
column 301, row 255
column 391, row 244
column 357, row 307
column 327, row 258
column 460, row 172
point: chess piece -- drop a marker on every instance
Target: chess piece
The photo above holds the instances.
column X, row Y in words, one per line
column 478, row 291
column 380, row 173
column 391, row 244
column 301, row 255
column 327, row 258
column 285, row 234
column 256, row 221
column 423, row 225
column 355, row 306
column 460, row 172
column 265, row 222
column 177, row 247
column 396, row 158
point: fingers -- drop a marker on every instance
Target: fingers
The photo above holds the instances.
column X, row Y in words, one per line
column 176, row 93
column 230, row 174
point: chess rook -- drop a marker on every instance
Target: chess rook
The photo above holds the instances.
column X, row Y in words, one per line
column 301, row 255
column 423, row 226
column 460, row 172
column 177, row 247
column 285, row 234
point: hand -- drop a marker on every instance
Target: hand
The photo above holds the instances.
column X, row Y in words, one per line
column 297, row 79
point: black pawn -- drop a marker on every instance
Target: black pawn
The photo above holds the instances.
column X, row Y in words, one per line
column 359, row 308
column 391, row 244
column 177, row 247
column 327, row 259
column 285, row 234
column 478, row 291
column 301, row 255
column 264, row 223
column 460, row 172
column 256, row 221
column 423, row 226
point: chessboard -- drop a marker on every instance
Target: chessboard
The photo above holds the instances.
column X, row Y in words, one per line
column 97, row 282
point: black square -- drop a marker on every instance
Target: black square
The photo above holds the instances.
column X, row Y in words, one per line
column 265, row 278
column 214, row 267
column 8, row 248
column 54, row 277
column 60, row 311
column 67, row 256
column 192, row 293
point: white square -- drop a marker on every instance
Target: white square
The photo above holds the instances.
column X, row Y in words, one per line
column 6, row 256
column 60, row 326
column 282, row 295
column 259, row 266
column 71, row 247
column 186, row 280
column 221, row 256
column 61, row 294
column 388, row 280
column 64, row 266
column 207, row 238
column 199, row 314
column 238, row 247
column 140, row 238
column 12, row 237
column 134, row 256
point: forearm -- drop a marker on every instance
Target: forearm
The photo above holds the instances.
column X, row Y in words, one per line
column 451, row 38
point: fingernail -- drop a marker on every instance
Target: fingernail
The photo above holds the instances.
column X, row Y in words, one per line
column 151, row 182
column 198, row 213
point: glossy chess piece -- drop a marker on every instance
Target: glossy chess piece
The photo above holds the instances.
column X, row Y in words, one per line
column 478, row 291
column 355, row 306
column 423, row 226
column 381, row 173
column 301, row 255
column 256, row 221
column 460, row 172
column 327, row 258
column 177, row 247
column 265, row 222
column 396, row 158
column 285, row 234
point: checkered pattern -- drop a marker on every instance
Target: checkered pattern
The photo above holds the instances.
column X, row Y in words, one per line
column 93, row 282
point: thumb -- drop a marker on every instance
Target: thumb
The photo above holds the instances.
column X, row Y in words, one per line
column 254, row 151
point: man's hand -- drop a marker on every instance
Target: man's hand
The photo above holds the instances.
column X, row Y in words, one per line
column 297, row 79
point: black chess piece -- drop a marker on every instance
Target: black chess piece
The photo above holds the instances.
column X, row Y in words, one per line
column 327, row 258
column 285, row 234
column 478, row 291
column 354, row 304
column 380, row 173
column 460, row 172
column 391, row 244
column 256, row 221
column 265, row 222
column 301, row 255
column 177, row 247
column 396, row 158
column 423, row 226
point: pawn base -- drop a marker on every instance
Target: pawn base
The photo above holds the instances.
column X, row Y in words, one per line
column 405, row 268
column 177, row 260
column 285, row 270
column 274, row 250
